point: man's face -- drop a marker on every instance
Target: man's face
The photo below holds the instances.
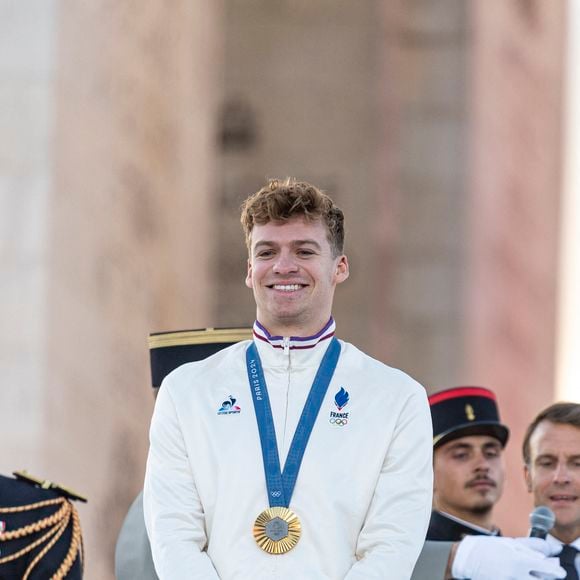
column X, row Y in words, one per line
column 553, row 475
column 469, row 474
column 293, row 274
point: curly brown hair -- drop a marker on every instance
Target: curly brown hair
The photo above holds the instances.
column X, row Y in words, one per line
column 281, row 200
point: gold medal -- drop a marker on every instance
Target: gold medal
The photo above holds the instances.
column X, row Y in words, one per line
column 277, row 530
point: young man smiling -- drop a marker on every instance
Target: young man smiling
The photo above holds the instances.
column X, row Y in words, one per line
column 282, row 489
column 293, row 271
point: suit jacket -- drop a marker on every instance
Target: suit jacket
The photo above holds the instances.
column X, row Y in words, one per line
column 432, row 561
column 133, row 552
column 443, row 532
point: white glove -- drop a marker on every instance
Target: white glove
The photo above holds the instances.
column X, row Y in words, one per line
column 492, row 558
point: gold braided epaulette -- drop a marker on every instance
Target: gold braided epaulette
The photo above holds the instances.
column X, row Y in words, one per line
column 52, row 526
column 46, row 484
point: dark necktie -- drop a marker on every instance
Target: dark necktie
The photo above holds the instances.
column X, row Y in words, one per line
column 567, row 561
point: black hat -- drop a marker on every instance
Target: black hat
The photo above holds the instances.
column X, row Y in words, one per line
column 168, row 350
column 463, row 411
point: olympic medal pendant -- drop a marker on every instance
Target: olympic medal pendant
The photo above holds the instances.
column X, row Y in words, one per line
column 277, row 530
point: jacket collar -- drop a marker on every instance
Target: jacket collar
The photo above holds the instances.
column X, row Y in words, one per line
column 293, row 351
column 294, row 342
column 445, row 527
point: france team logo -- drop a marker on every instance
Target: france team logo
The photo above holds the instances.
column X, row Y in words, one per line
column 341, row 400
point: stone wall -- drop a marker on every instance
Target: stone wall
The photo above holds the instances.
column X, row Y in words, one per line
column 513, row 217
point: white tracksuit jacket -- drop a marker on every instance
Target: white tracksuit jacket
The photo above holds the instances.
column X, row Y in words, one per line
column 363, row 493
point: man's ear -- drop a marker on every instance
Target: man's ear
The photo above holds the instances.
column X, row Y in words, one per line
column 528, row 478
column 342, row 269
column 249, row 275
column 435, row 494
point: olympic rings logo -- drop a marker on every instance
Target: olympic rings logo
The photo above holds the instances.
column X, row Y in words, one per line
column 338, row 421
column 276, row 493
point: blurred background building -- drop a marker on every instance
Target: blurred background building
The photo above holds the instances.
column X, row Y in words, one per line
column 130, row 132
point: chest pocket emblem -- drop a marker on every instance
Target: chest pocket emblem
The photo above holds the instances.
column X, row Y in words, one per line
column 229, row 407
column 340, row 418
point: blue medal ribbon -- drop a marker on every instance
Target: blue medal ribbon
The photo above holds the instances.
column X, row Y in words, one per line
column 280, row 484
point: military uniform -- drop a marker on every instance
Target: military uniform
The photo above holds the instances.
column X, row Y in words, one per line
column 461, row 412
column 455, row 413
column 167, row 350
column 443, row 527
column 40, row 533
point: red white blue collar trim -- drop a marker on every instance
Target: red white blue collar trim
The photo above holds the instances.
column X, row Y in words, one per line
column 295, row 342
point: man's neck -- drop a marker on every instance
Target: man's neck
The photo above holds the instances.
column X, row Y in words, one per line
column 566, row 535
column 294, row 330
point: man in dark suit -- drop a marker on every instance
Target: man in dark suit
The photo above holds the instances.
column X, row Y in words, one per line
column 551, row 453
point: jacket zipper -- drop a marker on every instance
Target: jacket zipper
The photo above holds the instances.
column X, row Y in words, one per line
column 286, row 346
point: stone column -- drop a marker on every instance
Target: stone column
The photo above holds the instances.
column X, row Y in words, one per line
column 420, row 202
column 131, row 235
column 468, row 205
column 27, row 70
column 517, row 72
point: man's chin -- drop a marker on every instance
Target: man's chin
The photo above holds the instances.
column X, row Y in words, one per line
column 484, row 495
column 482, row 508
column 566, row 515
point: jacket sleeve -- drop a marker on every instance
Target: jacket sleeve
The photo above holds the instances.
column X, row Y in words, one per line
column 394, row 530
column 173, row 512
